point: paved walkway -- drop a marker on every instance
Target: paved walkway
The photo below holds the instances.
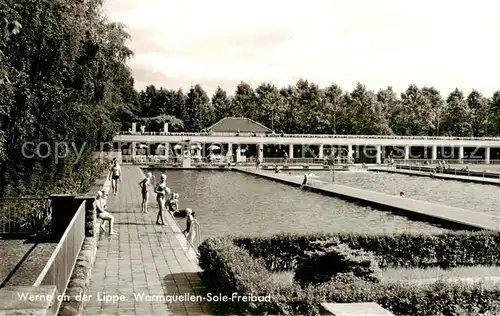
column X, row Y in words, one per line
column 143, row 259
column 448, row 213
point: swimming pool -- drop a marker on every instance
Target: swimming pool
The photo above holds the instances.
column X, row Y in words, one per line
column 234, row 203
column 472, row 196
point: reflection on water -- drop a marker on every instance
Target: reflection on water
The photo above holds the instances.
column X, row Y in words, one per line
column 472, row 196
column 231, row 203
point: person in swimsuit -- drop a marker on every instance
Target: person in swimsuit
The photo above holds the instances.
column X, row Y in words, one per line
column 190, row 232
column 145, row 185
column 304, row 183
column 173, row 205
column 102, row 213
column 162, row 194
column 114, row 176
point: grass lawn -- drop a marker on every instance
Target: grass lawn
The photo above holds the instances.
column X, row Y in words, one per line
column 22, row 262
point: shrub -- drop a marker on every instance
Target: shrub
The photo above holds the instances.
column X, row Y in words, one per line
column 445, row 250
column 229, row 268
column 330, row 260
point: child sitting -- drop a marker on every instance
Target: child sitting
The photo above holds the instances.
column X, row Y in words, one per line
column 173, row 205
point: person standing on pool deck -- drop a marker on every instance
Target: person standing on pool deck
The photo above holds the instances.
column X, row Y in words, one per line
column 145, row 185
column 162, row 194
column 115, row 176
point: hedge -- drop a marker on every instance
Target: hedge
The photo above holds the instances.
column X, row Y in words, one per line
column 229, row 269
column 449, row 249
column 329, row 260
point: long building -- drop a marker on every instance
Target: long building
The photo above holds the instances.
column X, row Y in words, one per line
column 242, row 138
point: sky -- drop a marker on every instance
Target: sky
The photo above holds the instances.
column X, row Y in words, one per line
column 379, row 43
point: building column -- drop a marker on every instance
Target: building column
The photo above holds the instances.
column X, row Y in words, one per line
column 133, row 149
column 460, row 154
column 321, row 149
column 434, row 154
column 260, row 152
column 230, row 151
column 487, row 155
column 165, row 127
column 238, row 154
column 379, row 155
column 167, row 150
column 134, row 127
column 350, row 154
column 290, row 151
column 407, row 153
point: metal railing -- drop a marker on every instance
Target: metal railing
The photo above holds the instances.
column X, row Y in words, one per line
column 25, row 215
column 311, row 136
column 162, row 160
column 60, row 266
column 464, row 161
column 450, row 170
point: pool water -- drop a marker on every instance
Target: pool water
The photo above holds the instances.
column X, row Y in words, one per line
column 472, row 196
column 234, row 203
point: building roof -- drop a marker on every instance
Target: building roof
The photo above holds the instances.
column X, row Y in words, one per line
column 241, row 124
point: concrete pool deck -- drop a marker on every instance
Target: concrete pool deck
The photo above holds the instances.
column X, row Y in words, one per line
column 440, row 212
column 470, row 179
column 143, row 259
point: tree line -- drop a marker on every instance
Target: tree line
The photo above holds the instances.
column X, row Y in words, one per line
column 63, row 79
column 307, row 108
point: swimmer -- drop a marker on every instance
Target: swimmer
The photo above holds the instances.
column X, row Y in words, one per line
column 306, row 179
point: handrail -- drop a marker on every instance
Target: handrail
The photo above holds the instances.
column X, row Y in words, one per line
column 309, row 136
column 25, row 198
column 59, row 246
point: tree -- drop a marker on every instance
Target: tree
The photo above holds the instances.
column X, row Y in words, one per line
column 390, row 106
column 495, row 113
column 435, row 103
column 244, row 100
column 479, row 107
column 309, row 105
column 456, row 121
column 196, row 102
column 291, row 112
column 221, row 104
column 68, row 81
column 415, row 116
column 333, row 110
column 269, row 105
column 365, row 112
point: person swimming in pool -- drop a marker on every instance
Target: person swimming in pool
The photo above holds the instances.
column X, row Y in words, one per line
column 304, row 182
